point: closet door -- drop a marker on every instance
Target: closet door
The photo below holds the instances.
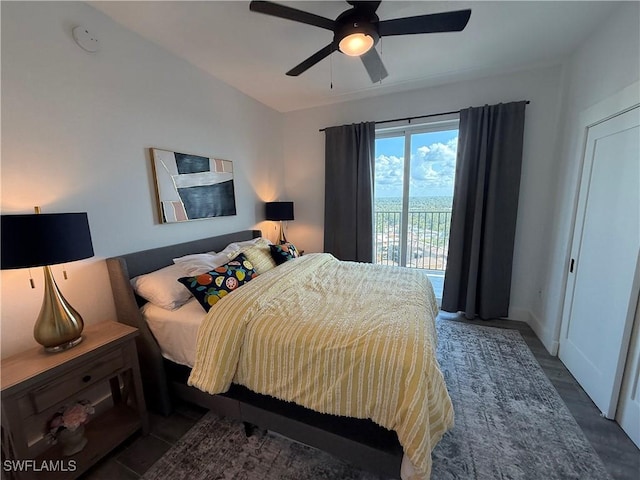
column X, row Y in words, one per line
column 602, row 289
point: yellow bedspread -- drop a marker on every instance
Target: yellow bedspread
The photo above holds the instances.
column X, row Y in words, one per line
column 344, row 338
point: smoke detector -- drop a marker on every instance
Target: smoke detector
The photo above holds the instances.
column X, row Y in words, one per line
column 85, row 39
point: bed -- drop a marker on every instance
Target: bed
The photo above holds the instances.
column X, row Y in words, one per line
column 336, row 417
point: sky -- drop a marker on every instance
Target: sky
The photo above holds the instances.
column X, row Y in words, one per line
column 433, row 161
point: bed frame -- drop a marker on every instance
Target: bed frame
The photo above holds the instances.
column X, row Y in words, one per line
column 360, row 442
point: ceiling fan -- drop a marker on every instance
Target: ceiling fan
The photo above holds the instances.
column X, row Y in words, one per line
column 357, row 30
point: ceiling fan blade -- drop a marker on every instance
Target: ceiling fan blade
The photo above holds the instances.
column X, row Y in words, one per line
column 373, row 63
column 311, row 61
column 432, row 23
column 288, row 13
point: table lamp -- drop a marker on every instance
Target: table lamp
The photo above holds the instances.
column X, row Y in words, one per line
column 279, row 211
column 41, row 240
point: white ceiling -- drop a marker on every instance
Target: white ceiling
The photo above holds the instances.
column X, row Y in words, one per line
column 252, row 51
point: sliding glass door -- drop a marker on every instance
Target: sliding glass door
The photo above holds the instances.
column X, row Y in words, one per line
column 413, row 195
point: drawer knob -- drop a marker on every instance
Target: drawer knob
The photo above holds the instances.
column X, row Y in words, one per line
column 86, row 378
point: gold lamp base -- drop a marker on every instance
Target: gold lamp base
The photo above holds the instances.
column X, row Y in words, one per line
column 64, row 346
column 59, row 325
column 282, row 239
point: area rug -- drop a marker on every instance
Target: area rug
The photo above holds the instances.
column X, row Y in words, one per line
column 510, row 421
column 510, row 424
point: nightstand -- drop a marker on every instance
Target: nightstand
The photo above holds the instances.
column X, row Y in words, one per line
column 35, row 384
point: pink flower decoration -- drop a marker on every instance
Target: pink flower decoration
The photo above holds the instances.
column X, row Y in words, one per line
column 70, row 417
column 75, row 416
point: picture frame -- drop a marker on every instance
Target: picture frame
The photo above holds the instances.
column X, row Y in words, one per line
column 192, row 187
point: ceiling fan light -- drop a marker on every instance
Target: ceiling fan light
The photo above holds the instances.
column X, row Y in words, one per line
column 356, row 44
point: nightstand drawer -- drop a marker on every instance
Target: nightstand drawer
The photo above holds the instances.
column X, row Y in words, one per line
column 54, row 392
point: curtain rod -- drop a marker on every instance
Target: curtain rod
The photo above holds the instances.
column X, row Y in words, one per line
column 408, row 119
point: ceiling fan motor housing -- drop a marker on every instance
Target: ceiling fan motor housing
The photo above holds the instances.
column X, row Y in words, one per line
column 352, row 21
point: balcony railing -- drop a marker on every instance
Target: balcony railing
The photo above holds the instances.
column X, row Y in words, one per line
column 427, row 239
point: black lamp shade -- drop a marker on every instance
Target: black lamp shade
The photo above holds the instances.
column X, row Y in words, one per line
column 44, row 239
column 279, row 211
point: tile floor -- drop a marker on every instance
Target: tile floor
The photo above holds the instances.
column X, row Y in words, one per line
column 620, row 456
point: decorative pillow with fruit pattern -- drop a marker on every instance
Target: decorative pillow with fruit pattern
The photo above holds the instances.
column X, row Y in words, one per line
column 210, row 287
column 283, row 252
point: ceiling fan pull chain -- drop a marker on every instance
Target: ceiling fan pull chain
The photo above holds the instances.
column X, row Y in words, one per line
column 331, row 71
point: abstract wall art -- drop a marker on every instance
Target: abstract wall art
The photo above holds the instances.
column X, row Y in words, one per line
column 191, row 187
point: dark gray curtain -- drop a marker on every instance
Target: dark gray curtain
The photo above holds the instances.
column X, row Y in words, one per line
column 348, row 191
column 485, row 203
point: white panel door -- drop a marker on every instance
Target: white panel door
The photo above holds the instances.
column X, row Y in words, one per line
column 602, row 288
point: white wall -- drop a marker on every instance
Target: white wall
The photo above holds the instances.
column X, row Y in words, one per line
column 76, row 129
column 304, row 156
column 607, row 62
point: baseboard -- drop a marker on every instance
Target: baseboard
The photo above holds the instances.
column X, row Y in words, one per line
column 543, row 332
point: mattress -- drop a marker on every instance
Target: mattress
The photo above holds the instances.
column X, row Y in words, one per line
column 175, row 331
column 344, row 338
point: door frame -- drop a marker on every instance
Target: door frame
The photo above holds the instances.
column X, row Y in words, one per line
column 629, row 416
column 625, row 100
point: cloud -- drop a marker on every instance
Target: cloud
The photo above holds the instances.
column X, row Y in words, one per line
column 434, row 165
column 432, row 170
column 389, row 170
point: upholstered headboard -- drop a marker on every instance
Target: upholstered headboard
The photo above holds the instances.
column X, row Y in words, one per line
column 125, row 267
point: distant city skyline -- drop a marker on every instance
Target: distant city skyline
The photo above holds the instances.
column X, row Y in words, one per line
column 432, row 165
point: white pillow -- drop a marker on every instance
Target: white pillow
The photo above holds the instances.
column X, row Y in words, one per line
column 199, row 263
column 162, row 287
column 234, row 248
